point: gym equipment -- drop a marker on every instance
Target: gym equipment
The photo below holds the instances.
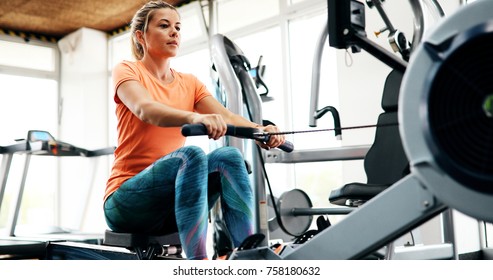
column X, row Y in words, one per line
column 386, row 162
column 347, row 30
column 230, row 62
column 444, row 122
column 349, row 15
column 295, row 212
column 233, row 67
column 240, row 132
column 38, row 143
column 449, row 144
column 349, row 18
column 396, row 38
column 118, row 246
column 146, row 247
column 258, row 78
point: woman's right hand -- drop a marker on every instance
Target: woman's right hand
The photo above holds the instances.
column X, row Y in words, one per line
column 215, row 124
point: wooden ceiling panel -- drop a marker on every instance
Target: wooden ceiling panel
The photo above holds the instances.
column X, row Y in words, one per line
column 58, row 18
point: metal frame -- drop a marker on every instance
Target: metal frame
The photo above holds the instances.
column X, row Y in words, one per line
column 409, row 197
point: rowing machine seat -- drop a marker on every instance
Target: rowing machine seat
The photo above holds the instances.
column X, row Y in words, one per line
column 146, row 247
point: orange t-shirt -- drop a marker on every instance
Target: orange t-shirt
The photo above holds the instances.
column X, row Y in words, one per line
column 140, row 144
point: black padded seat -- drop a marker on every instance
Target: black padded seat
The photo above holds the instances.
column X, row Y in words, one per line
column 355, row 194
column 386, row 162
column 146, row 246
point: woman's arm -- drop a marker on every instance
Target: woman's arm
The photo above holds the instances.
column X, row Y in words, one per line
column 211, row 113
column 140, row 103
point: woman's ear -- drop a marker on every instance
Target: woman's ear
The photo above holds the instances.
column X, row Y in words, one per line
column 140, row 37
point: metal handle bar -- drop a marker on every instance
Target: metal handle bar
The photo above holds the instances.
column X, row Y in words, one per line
column 236, row 131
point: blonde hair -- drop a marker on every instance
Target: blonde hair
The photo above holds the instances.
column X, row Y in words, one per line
column 140, row 22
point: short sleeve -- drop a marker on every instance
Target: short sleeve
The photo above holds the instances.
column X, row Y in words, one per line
column 123, row 72
column 201, row 90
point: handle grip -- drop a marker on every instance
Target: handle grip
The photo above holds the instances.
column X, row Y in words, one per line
column 236, row 131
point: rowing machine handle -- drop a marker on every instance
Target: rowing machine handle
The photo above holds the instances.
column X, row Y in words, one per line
column 236, row 131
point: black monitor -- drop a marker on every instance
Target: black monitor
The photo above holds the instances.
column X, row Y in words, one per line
column 346, row 18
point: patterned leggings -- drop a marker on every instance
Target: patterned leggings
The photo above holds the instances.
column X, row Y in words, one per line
column 173, row 195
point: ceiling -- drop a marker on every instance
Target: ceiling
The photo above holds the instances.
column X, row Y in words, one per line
column 57, row 18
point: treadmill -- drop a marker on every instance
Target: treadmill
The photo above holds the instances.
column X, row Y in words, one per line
column 37, row 143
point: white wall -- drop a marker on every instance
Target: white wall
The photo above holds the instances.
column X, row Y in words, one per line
column 83, row 122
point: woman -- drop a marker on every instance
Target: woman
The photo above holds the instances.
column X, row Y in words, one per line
column 157, row 185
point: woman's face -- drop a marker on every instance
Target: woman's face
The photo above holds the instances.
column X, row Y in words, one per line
column 162, row 38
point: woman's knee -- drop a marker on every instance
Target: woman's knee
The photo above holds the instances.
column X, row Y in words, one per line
column 227, row 158
column 192, row 154
column 185, row 157
column 227, row 154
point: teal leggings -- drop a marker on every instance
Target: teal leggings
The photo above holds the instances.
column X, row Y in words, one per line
column 173, row 194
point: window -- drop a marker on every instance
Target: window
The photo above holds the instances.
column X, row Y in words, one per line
column 316, row 178
column 29, row 102
column 193, row 29
column 294, row 2
column 304, row 34
column 33, row 57
column 119, row 50
column 235, row 14
column 266, row 44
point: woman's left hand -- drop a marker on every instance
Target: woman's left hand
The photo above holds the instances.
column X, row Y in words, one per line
column 275, row 140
